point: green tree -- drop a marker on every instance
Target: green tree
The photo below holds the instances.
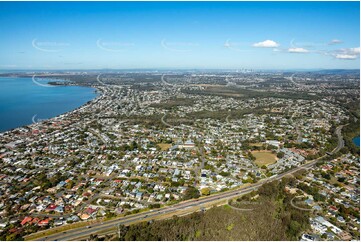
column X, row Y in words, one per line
column 190, row 193
column 205, row 191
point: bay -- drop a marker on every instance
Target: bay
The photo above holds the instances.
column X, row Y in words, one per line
column 23, row 101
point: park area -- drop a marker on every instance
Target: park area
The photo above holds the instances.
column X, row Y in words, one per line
column 264, row 158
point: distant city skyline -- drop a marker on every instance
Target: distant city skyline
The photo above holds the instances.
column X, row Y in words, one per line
column 179, row 35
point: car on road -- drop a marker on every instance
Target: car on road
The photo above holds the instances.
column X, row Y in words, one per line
column 88, row 227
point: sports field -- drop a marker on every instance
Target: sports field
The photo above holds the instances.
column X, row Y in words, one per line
column 264, row 158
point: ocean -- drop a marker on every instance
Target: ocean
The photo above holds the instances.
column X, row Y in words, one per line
column 23, row 101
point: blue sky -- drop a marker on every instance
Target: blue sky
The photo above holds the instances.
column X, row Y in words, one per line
column 122, row 35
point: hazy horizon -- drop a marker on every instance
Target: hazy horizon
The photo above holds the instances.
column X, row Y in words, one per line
column 179, row 35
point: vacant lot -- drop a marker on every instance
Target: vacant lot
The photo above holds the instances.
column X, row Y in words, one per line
column 164, row 146
column 264, row 158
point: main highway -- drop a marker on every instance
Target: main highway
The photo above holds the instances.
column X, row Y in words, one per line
column 180, row 208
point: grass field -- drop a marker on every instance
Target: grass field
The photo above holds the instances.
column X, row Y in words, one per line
column 164, row 146
column 264, row 158
column 224, row 91
column 256, row 144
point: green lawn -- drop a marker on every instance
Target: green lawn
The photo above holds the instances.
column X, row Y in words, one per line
column 264, row 158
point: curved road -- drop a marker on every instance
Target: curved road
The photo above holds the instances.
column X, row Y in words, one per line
column 341, row 142
column 164, row 122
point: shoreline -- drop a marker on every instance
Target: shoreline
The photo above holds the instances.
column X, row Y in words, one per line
column 99, row 94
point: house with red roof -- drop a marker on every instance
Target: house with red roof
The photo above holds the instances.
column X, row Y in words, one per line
column 326, row 167
column 50, row 208
column 35, row 221
column 90, row 210
column 44, row 222
column 333, row 208
column 26, row 220
column 87, row 194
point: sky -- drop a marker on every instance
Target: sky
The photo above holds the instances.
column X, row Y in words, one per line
column 214, row 35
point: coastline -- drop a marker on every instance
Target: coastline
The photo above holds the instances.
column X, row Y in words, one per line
column 99, row 94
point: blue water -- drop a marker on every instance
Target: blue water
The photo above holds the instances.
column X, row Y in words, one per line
column 356, row 141
column 21, row 99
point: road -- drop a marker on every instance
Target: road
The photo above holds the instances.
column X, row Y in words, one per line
column 295, row 83
column 74, row 234
column 227, row 118
column 164, row 122
column 202, row 156
column 96, row 133
column 299, row 134
column 341, row 142
column 78, row 233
